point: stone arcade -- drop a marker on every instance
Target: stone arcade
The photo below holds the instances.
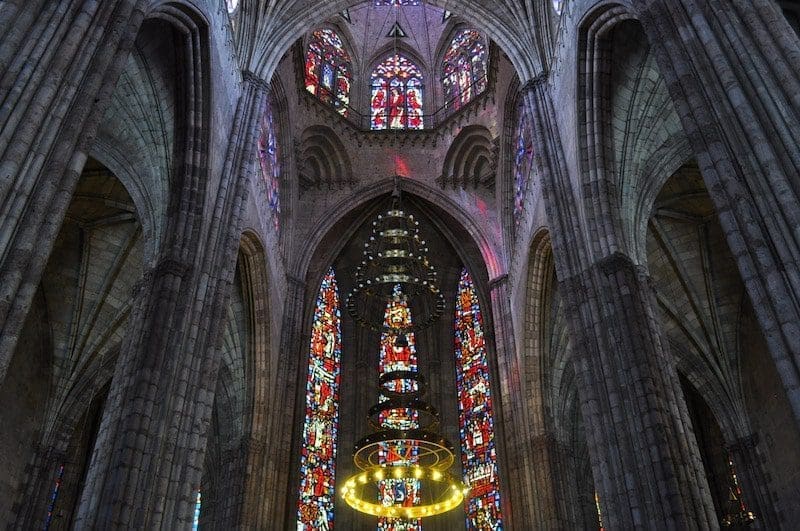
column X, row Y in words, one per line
column 608, row 190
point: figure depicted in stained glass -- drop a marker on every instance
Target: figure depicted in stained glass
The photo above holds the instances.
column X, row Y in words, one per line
column 269, row 159
column 478, row 455
column 523, row 159
column 318, row 454
column 464, row 68
column 328, row 69
column 397, row 91
column 402, row 357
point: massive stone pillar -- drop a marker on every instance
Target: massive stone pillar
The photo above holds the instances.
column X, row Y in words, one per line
column 60, row 62
column 147, row 463
column 733, row 70
column 644, row 457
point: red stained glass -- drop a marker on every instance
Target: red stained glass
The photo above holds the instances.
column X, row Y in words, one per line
column 464, row 68
column 398, row 358
column 328, row 70
column 478, row 456
column 396, row 94
column 318, row 454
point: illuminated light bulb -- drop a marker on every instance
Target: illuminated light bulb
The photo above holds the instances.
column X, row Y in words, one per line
column 436, row 475
column 418, row 473
column 362, row 478
column 379, row 475
column 398, row 473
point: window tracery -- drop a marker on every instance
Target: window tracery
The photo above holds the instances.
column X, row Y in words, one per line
column 464, row 68
column 397, row 89
column 478, row 456
column 398, row 2
column 318, row 453
column 523, row 159
column 328, row 70
column 269, row 160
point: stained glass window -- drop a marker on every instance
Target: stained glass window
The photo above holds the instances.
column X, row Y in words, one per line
column 464, row 68
column 398, row 2
column 328, row 70
column 394, row 357
column 396, row 94
column 523, row 159
column 51, row 507
column 478, row 456
column 318, row 454
column 269, row 158
column 196, row 519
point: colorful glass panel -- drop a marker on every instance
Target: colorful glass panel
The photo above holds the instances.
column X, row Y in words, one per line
column 398, row 358
column 398, row 2
column 196, row 520
column 523, row 160
column 328, row 70
column 396, row 94
column 478, row 456
column 51, row 507
column 318, row 454
column 269, row 159
column 464, row 68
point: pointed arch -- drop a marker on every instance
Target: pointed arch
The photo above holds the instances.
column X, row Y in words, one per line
column 465, row 67
column 396, row 95
column 329, row 69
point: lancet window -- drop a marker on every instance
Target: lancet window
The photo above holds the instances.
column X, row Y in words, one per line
column 523, row 159
column 396, row 101
column 464, row 68
column 478, row 456
column 318, row 453
column 328, row 70
column 269, row 159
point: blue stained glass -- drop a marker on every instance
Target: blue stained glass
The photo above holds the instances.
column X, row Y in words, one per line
column 318, row 454
column 269, row 159
column 478, row 456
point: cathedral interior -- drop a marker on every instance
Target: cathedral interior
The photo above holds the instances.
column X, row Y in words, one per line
column 602, row 196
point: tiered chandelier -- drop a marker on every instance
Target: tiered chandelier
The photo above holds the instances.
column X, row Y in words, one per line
column 405, row 444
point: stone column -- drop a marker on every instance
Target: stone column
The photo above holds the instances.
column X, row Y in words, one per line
column 147, row 462
column 644, row 459
column 283, row 472
column 60, row 64
column 733, row 70
column 509, row 413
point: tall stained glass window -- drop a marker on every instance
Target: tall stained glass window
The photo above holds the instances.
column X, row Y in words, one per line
column 198, row 502
column 398, row 2
column 398, row 358
column 464, row 68
column 318, row 454
column 269, row 159
column 478, row 455
column 523, row 159
column 396, row 94
column 328, row 69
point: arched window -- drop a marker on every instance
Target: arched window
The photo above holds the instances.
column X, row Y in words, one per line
column 396, row 94
column 328, row 70
column 478, row 455
column 318, row 454
column 398, row 358
column 464, row 68
column 268, row 157
column 523, row 159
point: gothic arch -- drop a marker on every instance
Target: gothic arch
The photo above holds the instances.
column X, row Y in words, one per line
column 322, row 160
column 471, row 161
column 619, row 80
